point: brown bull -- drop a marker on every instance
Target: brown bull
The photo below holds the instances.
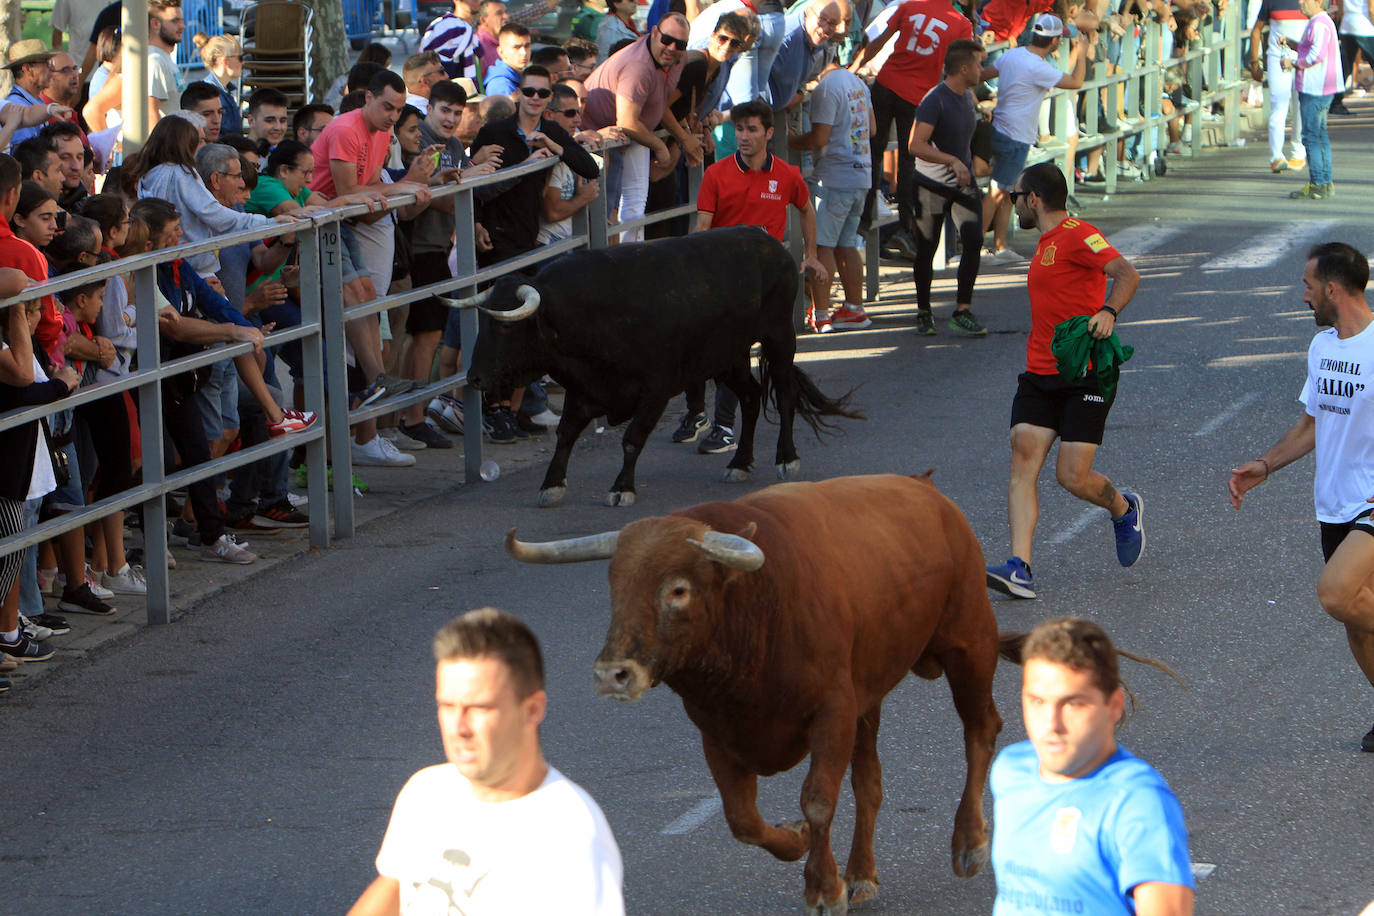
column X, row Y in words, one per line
column 777, row 656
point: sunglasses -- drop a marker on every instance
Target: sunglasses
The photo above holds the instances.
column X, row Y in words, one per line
column 568, row 112
column 734, row 43
column 530, row 92
column 671, row 42
column 1013, row 195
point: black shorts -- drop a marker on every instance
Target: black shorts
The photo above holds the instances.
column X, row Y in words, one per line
column 429, row 314
column 1077, row 411
column 1333, row 534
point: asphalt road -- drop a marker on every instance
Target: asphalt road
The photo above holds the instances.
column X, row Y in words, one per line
column 245, row 758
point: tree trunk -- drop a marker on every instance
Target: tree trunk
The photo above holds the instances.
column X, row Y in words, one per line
column 12, row 32
column 329, row 51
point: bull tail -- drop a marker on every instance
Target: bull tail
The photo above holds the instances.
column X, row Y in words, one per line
column 811, row 403
column 1011, row 646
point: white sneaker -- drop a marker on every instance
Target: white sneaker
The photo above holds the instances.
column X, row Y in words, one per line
column 227, row 550
column 448, row 414
column 128, row 581
column 297, row 500
column 33, row 630
column 1176, row 148
column 1006, row 255
column 546, row 418
column 379, row 453
column 100, row 591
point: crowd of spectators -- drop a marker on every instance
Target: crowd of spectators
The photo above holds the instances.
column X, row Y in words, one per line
column 625, row 106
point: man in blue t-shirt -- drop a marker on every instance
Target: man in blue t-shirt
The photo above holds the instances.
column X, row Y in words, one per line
column 1082, row 824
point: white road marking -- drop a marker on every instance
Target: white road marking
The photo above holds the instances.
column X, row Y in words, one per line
column 1078, row 527
column 1225, row 362
column 699, row 814
column 1202, row 870
column 1144, row 238
column 1227, row 415
column 1268, row 248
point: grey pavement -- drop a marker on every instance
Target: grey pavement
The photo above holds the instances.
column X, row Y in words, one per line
column 245, row 758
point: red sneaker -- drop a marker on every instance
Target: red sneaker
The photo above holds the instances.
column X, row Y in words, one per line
column 819, row 327
column 845, row 318
column 292, row 421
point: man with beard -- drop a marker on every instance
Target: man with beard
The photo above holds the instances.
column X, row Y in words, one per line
column 1336, row 424
column 1067, row 280
column 165, row 85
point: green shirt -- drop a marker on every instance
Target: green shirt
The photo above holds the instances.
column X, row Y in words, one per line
column 269, row 193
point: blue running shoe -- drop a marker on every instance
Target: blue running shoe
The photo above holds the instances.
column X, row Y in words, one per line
column 1130, row 530
column 1012, row 578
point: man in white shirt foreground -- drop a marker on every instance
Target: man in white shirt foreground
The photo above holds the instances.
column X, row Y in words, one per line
column 496, row 829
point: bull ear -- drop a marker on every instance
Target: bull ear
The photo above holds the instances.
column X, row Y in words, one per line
column 730, row 550
column 747, row 532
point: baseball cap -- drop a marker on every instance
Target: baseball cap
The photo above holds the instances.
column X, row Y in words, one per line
column 1048, row 26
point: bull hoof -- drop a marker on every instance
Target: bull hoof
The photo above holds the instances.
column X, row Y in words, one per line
column 551, row 497
column 969, row 862
column 789, row 470
column 837, row 907
column 862, row 892
column 735, row 475
column 620, row 498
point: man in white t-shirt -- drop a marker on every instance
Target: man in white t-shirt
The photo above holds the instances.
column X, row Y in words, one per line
column 1025, row 78
column 1338, row 423
column 165, row 85
column 496, row 830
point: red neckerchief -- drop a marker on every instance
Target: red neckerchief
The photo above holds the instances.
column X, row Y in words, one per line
column 752, row 8
column 629, row 23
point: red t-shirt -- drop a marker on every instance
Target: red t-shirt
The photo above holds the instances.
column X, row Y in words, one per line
column 1007, row 19
column 735, row 195
column 925, row 30
column 349, row 139
column 15, row 252
column 1065, row 280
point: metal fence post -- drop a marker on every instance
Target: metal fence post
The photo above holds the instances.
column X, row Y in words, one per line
column 337, row 431
column 313, row 359
column 465, row 226
column 150, row 430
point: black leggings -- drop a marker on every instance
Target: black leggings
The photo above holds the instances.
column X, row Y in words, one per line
column 11, row 522
column 889, row 107
column 930, row 206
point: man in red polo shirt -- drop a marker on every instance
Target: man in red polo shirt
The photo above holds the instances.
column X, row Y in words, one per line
column 1067, row 278
column 751, row 188
column 924, row 30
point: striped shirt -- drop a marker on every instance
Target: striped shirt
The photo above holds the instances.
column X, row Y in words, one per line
column 1319, row 58
column 455, row 41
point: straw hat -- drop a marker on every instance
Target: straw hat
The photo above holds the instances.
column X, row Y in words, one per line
column 29, row 51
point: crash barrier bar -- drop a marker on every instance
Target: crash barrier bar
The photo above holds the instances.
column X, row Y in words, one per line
column 1217, row 64
column 201, row 16
column 322, row 338
column 155, row 480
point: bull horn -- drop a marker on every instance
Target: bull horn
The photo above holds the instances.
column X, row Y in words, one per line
column 470, row 302
column 571, row 550
column 730, row 550
column 529, row 304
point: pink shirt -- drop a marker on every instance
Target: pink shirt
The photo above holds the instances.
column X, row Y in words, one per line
column 486, row 48
column 630, row 73
column 347, row 138
column 1319, row 57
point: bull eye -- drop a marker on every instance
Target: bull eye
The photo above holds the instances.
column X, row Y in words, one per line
column 675, row 595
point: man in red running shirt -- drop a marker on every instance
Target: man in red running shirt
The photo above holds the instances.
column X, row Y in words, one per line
column 1067, row 278
column 924, row 30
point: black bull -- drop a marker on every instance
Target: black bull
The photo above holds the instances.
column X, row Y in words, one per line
column 627, row 328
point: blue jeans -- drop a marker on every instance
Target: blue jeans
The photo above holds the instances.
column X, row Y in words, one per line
column 1315, row 137
column 749, row 79
column 264, row 479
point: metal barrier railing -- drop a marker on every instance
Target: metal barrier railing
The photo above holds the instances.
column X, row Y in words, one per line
column 205, row 16
column 321, row 333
